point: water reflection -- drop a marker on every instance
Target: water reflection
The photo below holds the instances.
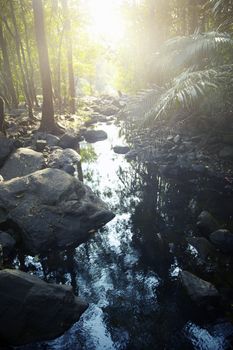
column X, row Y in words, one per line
column 128, row 270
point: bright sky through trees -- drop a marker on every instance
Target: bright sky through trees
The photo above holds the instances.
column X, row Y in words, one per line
column 106, row 20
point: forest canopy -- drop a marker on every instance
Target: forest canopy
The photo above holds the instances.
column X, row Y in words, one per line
column 96, row 47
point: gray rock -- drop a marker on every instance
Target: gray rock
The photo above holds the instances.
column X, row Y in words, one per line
column 32, row 310
column 52, row 140
column 199, row 290
column 7, row 242
column 226, row 152
column 6, row 147
column 204, row 248
column 22, row 162
column 17, row 112
column 131, row 155
column 69, row 141
column 69, row 169
column 121, row 149
column 222, row 239
column 107, row 110
column 92, row 136
column 96, row 118
column 199, row 168
column 206, row 223
column 63, row 159
column 177, row 139
column 3, row 215
column 52, row 209
column 40, row 145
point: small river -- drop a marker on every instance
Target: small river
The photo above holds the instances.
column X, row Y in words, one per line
column 128, row 271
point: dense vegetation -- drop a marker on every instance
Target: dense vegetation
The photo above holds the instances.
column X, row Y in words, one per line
column 151, row 82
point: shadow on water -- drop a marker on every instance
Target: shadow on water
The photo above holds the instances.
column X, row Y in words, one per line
column 128, row 271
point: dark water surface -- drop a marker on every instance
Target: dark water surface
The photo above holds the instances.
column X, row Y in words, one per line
column 128, row 271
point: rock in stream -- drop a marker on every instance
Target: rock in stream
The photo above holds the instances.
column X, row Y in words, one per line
column 52, row 209
column 32, row 310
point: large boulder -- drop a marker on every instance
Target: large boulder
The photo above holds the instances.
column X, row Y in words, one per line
column 199, row 290
column 22, row 162
column 222, row 239
column 6, row 147
column 65, row 159
column 92, row 136
column 206, row 223
column 52, row 209
column 32, row 310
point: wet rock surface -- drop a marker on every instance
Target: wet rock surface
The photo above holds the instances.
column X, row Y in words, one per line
column 222, row 239
column 204, row 248
column 199, row 290
column 206, row 223
column 121, row 149
column 7, row 242
column 6, row 147
column 63, row 159
column 93, row 136
column 33, row 310
column 22, row 162
column 52, row 209
column 69, row 141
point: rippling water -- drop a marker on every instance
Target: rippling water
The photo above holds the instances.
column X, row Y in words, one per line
column 128, row 271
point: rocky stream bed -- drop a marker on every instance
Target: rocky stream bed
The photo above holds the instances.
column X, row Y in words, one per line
column 158, row 275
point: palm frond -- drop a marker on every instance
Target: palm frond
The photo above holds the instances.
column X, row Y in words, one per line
column 196, row 49
column 220, row 6
column 185, row 91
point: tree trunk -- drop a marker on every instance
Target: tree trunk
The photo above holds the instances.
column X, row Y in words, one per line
column 2, row 115
column 69, row 59
column 7, row 70
column 47, row 121
column 31, row 74
column 18, row 48
column 194, row 16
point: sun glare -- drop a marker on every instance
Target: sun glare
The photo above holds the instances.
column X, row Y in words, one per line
column 106, row 20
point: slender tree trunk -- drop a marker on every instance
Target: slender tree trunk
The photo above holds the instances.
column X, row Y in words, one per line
column 193, row 16
column 69, row 59
column 48, row 121
column 18, row 48
column 2, row 115
column 7, row 69
column 58, row 69
column 31, row 75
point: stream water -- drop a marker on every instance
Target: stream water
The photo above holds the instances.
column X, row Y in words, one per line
column 128, row 271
